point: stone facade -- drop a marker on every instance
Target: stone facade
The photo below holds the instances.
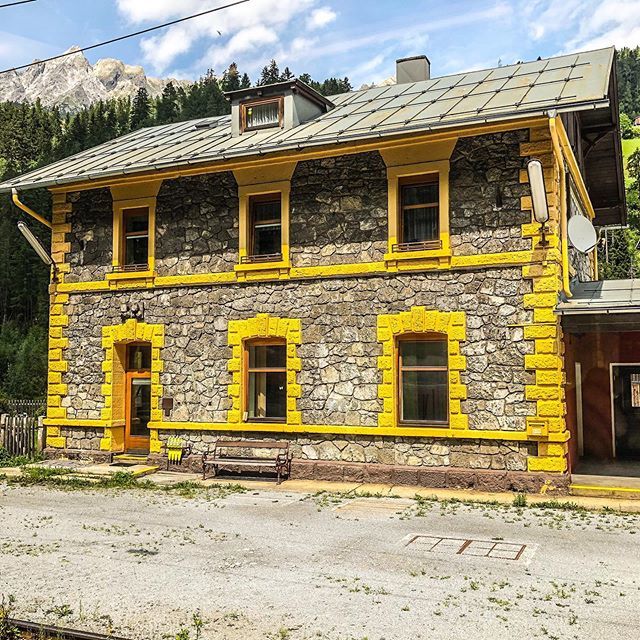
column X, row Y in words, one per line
column 91, row 235
column 338, row 216
column 338, row 210
column 197, row 224
column 339, row 347
column 485, row 192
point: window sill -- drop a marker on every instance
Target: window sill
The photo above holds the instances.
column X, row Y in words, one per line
column 278, row 269
column 131, row 275
column 408, row 256
column 423, row 425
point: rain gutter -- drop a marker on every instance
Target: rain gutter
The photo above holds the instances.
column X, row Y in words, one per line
column 28, row 210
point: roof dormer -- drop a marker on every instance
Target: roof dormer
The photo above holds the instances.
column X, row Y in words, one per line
column 283, row 105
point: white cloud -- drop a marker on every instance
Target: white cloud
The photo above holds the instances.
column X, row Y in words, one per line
column 254, row 27
column 321, row 18
column 249, row 39
column 591, row 23
column 398, row 39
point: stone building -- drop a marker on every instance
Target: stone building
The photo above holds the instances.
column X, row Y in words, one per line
column 360, row 275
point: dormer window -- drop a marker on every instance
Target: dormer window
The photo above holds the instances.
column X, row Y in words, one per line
column 282, row 105
column 262, row 114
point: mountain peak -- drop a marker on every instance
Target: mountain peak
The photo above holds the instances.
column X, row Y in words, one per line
column 72, row 82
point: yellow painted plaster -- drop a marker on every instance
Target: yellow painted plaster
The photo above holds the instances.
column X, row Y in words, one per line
column 142, row 194
column 114, row 340
column 547, row 361
column 452, row 326
column 263, row 326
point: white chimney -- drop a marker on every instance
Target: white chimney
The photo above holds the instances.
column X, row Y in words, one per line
column 412, row 69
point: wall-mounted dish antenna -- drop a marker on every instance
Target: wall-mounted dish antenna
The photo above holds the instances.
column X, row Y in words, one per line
column 582, row 234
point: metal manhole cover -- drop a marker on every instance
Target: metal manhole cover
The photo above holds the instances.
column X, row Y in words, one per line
column 464, row 547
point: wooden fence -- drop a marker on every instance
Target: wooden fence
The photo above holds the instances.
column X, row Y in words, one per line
column 21, row 435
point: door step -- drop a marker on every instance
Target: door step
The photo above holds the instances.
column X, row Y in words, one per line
column 129, row 459
column 599, row 491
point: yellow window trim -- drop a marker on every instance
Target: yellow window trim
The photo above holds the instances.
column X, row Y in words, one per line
column 394, row 175
column 114, row 337
column 131, row 196
column 452, row 325
column 263, row 326
column 263, row 269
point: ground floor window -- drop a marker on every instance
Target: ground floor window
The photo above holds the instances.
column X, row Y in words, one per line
column 423, row 384
column 266, row 380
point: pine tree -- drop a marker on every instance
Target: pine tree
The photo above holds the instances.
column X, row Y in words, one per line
column 270, row 74
column 167, row 109
column 231, row 78
column 140, row 110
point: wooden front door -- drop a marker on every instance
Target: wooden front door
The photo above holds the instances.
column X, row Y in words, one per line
column 137, row 398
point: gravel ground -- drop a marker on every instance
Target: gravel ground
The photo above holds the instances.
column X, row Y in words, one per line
column 284, row 565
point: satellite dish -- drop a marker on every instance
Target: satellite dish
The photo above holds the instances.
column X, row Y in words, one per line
column 582, row 234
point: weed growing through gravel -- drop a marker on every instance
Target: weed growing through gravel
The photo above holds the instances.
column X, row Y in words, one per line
column 60, row 478
column 520, row 500
column 329, row 499
column 7, row 630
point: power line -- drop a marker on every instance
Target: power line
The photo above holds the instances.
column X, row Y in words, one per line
column 13, row 4
column 128, row 35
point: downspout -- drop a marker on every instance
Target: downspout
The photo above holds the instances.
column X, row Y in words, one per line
column 28, row 210
column 559, row 160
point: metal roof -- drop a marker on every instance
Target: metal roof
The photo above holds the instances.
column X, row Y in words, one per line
column 601, row 297
column 566, row 83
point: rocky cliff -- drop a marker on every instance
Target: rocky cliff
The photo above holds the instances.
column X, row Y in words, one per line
column 73, row 82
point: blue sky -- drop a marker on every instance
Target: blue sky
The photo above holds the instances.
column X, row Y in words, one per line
column 356, row 38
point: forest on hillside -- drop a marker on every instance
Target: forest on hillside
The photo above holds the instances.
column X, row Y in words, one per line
column 32, row 136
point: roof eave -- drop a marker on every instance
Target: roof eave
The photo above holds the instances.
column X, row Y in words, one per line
column 317, row 142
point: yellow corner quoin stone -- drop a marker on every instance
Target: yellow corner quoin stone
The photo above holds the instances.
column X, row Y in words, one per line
column 548, row 426
column 264, row 326
column 57, row 365
column 390, row 327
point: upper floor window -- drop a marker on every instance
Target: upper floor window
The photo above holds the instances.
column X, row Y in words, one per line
column 265, row 227
column 423, row 383
column 135, row 240
column 266, row 386
column 419, row 213
column 262, row 114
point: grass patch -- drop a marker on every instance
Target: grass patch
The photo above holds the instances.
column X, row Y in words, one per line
column 558, row 505
column 65, row 479
column 16, row 461
column 520, row 500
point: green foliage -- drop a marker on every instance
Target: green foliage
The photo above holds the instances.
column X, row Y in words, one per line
column 633, row 165
column 8, row 631
column 27, row 373
column 329, row 87
column 140, row 110
column 627, row 130
column 628, row 68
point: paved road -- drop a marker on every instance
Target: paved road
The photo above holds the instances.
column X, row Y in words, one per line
column 269, row 564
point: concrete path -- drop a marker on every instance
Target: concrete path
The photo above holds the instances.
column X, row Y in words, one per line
column 286, row 564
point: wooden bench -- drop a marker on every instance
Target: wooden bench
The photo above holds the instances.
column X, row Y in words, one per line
column 232, row 453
